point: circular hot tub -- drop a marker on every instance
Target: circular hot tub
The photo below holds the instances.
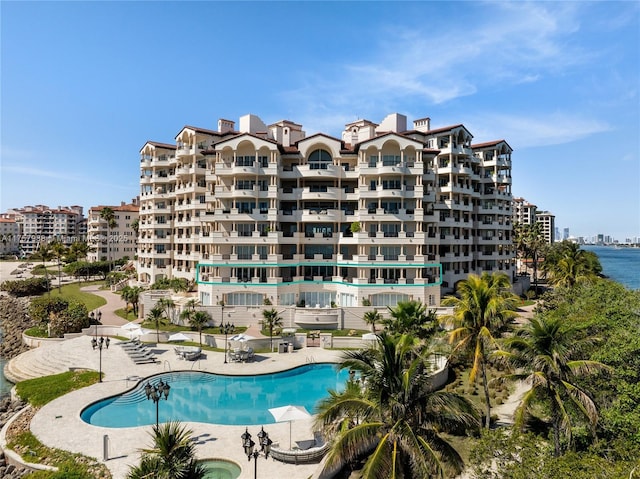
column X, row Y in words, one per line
column 221, row 469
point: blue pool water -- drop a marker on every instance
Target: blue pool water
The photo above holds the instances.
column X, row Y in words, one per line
column 217, row 399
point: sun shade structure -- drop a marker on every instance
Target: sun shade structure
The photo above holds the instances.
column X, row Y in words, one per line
column 289, row 413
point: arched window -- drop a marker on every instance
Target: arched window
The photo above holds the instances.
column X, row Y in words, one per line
column 319, row 159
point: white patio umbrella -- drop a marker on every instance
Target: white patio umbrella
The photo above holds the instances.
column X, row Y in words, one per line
column 131, row 326
column 289, row 413
column 136, row 333
column 179, row 337
column 241, row 337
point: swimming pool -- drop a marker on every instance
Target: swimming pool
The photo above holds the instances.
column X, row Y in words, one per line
column 219, row 399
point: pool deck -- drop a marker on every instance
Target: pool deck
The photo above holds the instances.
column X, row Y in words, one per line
column 58, row 423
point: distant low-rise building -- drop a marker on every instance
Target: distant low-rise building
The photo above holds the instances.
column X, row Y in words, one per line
column 9, row 235
column 113, row 243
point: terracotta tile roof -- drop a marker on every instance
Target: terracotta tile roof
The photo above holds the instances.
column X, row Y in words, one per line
column 320, row 134
column 128, row 207
column 160, row 145
column 490, row 143
column 201, row 130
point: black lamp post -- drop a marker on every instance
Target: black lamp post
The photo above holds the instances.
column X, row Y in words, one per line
column 226, row 329
column 92, row 320
column 100, row 343
column 156, row 392
column 249, row 447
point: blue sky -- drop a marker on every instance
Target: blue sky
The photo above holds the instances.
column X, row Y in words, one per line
column 85, row 84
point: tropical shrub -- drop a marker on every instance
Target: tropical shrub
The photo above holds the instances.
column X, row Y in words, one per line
column 25, row 287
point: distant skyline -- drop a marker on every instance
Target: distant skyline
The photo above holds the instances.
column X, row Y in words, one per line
column 85, row 84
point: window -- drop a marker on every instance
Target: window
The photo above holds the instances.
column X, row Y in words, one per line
column 245, row 184
column 318, row 298
column 245, row 229
column 245, row 160
column 390, row 160
column 245, row 206
column 245, row 252
column 388, row 299
column 319, row 159
column 245, row 299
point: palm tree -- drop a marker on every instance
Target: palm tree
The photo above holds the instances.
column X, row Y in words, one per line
column 484, row 305
column 135, row 226
column 131, row 295
column 568, row 264
column 168, row 305
column 543, row 354
column 271, row 320
column 188, row 311
column 134, row 298
column 199, row 319
column 109, row 216
column 172, row 456
column 393, row 416
column 411, row 317
column 45, row 253
column 79, row 249
column 372, row 317
column 155, row 316
column 535, row 245
column 58, row 250
column 519, row 240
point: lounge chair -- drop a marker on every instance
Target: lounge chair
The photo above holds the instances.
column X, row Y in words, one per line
column 140, row 354
column 135, row 348
column 149, row 360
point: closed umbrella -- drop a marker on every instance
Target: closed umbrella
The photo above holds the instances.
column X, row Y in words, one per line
column 289, row 413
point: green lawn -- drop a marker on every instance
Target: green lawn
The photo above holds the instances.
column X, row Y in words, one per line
column 40, row 391
column 72, row 291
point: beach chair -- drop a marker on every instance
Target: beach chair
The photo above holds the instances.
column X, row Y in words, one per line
column 149, row 360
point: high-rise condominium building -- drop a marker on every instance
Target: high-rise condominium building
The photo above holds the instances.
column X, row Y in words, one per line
column 268, row 215
column 547, row 225
column 524, row 212
column 121, row 238
column 42, row 224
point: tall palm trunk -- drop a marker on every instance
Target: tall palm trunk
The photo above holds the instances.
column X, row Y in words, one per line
column 485, row 385
column 555, row 418
column 46, row 277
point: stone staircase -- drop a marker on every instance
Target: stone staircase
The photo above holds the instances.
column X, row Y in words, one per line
column 49, row 359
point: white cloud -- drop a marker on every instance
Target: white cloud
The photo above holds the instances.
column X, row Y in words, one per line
column 31, row 171
column 528, row 131
column 508, row 43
